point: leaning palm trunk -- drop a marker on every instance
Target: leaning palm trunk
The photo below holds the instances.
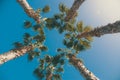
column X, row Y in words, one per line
column 49, row 76
column 14, row 54
column 107, row 29
column 29, row 11
column 73, row 10
column 80, row 66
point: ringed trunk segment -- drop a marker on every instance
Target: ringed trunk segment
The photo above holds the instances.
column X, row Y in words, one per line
column 107, row 29
column 88, row 75
column 14, row 54
column 29, row 11
column 73, row 10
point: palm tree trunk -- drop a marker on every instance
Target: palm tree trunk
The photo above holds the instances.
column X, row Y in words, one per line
column 29, row 11
column 73, row 10
column 80, row 66
column 107, row 29
column 14, row 54
column 49, row 76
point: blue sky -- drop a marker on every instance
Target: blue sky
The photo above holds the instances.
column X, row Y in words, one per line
column 102, row 59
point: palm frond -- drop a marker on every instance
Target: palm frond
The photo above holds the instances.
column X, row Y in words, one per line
column 62, row 7
column 43, row 48
column 57, row 77
column 27, row 24
column 80, row 26
column 46, row 9
column 36, row 27
column 33, row 54
column 48, row 58
column 89, row 38
column 87, row 29
column 17, row 44
column 60, row 69
column 67, row 35
column 59, row 49
column 38, row 73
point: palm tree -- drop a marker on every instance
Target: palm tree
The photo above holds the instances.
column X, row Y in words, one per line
column 21, row 50
column 73, row 10
column 14, row 53
column 30, row 43
column 76, row 45
column 29, row 11
column 107, row 29
column 77, row 63
column 88, row 75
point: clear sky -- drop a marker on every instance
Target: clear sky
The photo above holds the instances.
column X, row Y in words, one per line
column 102, row 59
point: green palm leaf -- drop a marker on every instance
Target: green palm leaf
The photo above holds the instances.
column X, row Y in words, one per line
column 46, row 9
column 87, row 29
column 27, row 24
column 80, row 26
column 62, row 7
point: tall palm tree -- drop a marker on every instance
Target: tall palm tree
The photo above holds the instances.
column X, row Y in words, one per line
column 73, row 10
column 14, row 54
column 26, row 48
column 76, row 45
column 88, row 75
column 30, row 43
column 77, row 63
column 107, row 29
column 29, row 11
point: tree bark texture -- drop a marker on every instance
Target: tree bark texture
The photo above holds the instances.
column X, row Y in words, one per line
column 14, row 54
column 99, row 31
column 73, row 10
column 29, row 11
column 88, row 75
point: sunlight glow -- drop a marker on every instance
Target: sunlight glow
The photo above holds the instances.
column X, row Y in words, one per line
column 99, row 12
column 107, row 9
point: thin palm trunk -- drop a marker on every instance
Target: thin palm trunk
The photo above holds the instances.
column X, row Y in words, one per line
column 29, row 11
column 14, row 54
column 107, row 29
column 88, row 75
column 73, row 10
column 49, row 76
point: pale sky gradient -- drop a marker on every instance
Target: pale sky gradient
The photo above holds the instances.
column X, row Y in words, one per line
column 104, row 11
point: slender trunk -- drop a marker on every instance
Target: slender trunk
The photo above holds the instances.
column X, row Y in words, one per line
column 107, row 29
column 73, row 10
column 29, row 11
column 88, row 75
column 14, row 54
column 49, row 76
